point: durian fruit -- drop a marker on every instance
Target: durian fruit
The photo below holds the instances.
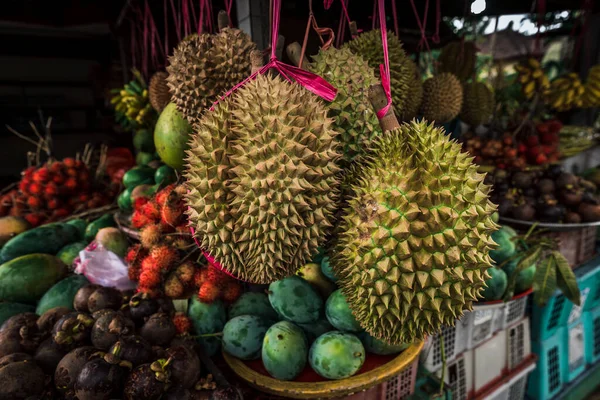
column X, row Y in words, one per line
column 415, row 88
column 158, row 91
column 353, row 117
column 442, row 98
column 261, row 173
column 591, row 95
column 532, row 77
column 478, row 103
column 414, row 243
column 369, row 46
column 205, row 66
column 458, row 58
column 565, row 93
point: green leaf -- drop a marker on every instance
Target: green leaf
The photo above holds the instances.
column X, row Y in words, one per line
column 530, row 231
column 544, row 281
column 527, row 260
column 567, row 282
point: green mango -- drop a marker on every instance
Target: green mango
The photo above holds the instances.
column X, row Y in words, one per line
column 138, row 176
column 171, row 136
column 496, row 285
column 243, row 336
column 506, row 246
column 143, row 140
column 124, row 200
column 61, row 294
column 253, row 303
column 336, row 355
column 378, row 346
column 68, row 253
column 338, row 313
column 165, row 175
column 207, row 318
column 295, row 300
column 284, row 351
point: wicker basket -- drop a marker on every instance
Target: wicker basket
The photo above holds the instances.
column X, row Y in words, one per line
column 578, row 246
column 391, row 380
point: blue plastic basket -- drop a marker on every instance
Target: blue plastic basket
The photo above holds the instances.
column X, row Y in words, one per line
column 549, row 376
column 591, row 324
column 545, row 321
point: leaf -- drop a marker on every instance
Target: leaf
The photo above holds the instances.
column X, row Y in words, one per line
column 544, row 281
column 567, row 282
column 530, row 231
column 526, row 261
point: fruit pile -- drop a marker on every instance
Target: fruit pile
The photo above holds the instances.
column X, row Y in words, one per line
column 103, row 344
column 500, row 153
column 54, row 191
column 541, row 146
column 316, row 327
column 548, row 195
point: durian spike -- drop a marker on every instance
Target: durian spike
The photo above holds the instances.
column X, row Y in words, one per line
column 353, row 28
column 293, row 51
column 378, row 101
column 223, row 20
column 256, row 60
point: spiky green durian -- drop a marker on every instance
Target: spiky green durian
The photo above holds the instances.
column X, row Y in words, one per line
column 413, row 251
column 205, row 66
column 415, row 88
column 354, row 118
column 478, row 103
column 369, row 46
column 458, row 58
column 442, row 98
column 261, row 173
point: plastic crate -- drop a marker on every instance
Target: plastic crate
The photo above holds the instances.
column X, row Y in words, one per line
column 431, row 356
column 591, row 325
column 518, row 344
column 549, row 376
column 578, row 246
column 428, row 387
column 575, row 343
column 545, row 321
column 511, row 311
column 459, row 376
column 490, row 362
column 512, row 387
column 479, row 324
column 590, row 283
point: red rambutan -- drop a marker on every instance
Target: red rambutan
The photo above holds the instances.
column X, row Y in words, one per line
column 149, row 278
column 173, row 287
column 183, row 324
column 34, row 188
column 232, row 291
column 69, row 162
column 139, row 220
column 171, row 214
column 217, row 276
column 28, row 172
column 54, row 203
column 79, row 164
column 208, row 292
column 34, row 202
column 60, row 213
column 59, row 179
column 200, row 276
column 41, row 175
column 150, row 209
column 135, row 254
column 56, row 167
column 150, row 235
column 149, row 263
column 139, row 203
column 164, row 256
column 134, row 273
column 33, row 219
column 71, row 172
column 71, row 184
column 24, row 185
column 163, row 194
column 50, row 189
column 185, row 272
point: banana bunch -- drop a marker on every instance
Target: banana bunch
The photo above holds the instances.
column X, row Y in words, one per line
column 531, row 77
column 575, row 139
column 132, row 104
column 565, row 93
column 591, row 95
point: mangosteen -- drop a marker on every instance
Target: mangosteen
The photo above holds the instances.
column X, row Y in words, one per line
column 589, row 198
column 105, row 297
column 47, row 320
column 158, row 352
column 227, row 393
column 554, row 171
column 524, row 212
column 529, row 192
column 158, row 330
column 589, row 212
column 572, row 218
column 48, row 355
column 80, row 302
column 72, row 330
column 566, row 181
column 14, row 357
column 185, row 340
column 522, row 179
column 545, row 186
column 148, row 381
column 550, row 214
column 68, row 370
column 165, row 305
column 21, row 380
column 178, row 393
column 571, row 198
column 102, row 378
column 109, row 328
column 17, row 321
column 184, row 366
column 500, row 175
column 134, row 349
column 505, row 207
column 19, row 334
column 141, row 306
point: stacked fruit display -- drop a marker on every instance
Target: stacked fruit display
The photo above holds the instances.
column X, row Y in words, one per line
column 548, row 195
column 54, row 191
column 302, row 320
column 500, row 153
column 144, row 181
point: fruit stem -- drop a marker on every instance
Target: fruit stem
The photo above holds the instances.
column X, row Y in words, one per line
column 443, row 353
column 378, row 100
column 223, row 20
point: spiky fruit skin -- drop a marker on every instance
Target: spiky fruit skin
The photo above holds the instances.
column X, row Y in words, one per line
column 413, row 251
column 205, row 66
column 158, row 91
column 183, row 323
column 415, row 88
column 369, row 46
column 353, row 116
column 261, row 175
column 150, row 235
column 458, row 58
column 478, row 103
column 442, row 98
column 164, row 256
column 209, row 292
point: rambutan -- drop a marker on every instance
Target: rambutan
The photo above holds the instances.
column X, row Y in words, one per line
column 60, row 213
column 71, row 184
column 173, row 287
column 150, row 210
column 171, row 214
column 34, row 202
column 178, row 242
column 54, row 203
column 139, row 220
column 208, row 292
column 34, row 188
column 135, row 255
column 200, row 276
column 59, row 179
column 24, row 185
column 56, row 167
column 134, row 273
column 28, row 172
column 83, row 175
column 152, row 292
column 69, row 162
column 149, row 278
column 41, row 175
column 71, row 172
column 139, row 202
column 185, row 272
column 217, row 276
column 150, row 235
column 33, row 219
column 163, row 194
column 183, row 324
column 164, row 256
column 232, row 291
column 51, row 189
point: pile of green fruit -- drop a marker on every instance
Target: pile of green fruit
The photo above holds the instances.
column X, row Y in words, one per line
column 302, row 320
column 144, row 181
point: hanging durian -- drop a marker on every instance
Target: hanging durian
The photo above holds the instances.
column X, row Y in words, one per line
column 205, row 66
column 442, row 98
column 478, row 103
column 158, row 91
column 413, row 251
column 261, row 173
column 415, row 88
column 458, row 58
column 565, row 92
column 370, row 47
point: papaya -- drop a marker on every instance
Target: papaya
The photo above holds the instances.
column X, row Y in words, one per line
column 171, row 137
column 61, row 294
column 105, row 221
column 47, row 239
column 10, row 227
column 138, row 176
column 8, row 310
column 25, row 279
